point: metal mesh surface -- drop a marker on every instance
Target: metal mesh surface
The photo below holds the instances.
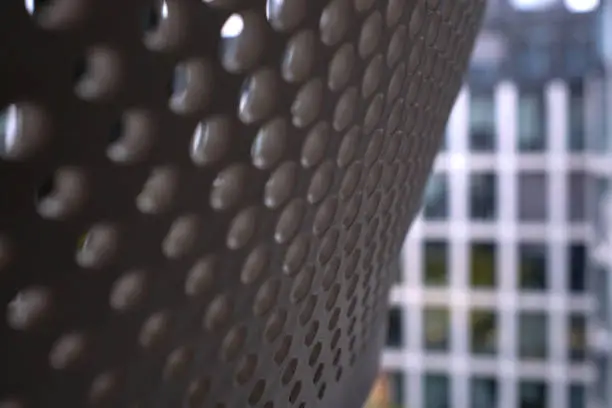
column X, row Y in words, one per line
column 200, row 200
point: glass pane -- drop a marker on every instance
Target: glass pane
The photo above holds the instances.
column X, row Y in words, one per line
column 533, row 394
column 533, row 335
column 395, row 335
column 577, row 337
column 483, row 202
column 436, row 197
column 601, row 283
column 437, row 328
column 482, row 271
column 577, row 266
column 577, row 396
column 602, row 383
column 533, row 196
column 436, row 391
column 436, row 263
column 532, row 267
column 576, row 116
column 482, row 121
column 577, row 196
column 484, row 393
column 531, row 119
column 483, row 331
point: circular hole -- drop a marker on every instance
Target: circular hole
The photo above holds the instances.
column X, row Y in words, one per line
column 295, row 392
column 246, row 369
column 128, row 291
column 314, row 355
column 181, row 237
column 211, row 140
column 318, row 373
column 158, row 192
column 257, row 392
column 178, row 362
column 67, row 351
column 242, row 39
column 131, row 136
column 196, row 393
column 322, row 390
column 98, row 75
column 61, row 194
column 24, row 128
column 191, row 87
column 289, row 371
column 103, row 389
column 97, row 247
column 29, row 308
column 153, row 16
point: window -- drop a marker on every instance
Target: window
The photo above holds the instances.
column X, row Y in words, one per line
column 437, row 329
column 576, row 396
column 577, row 266
column 577, row 337
column 482, row 121
column 484, row 392
column 483, row 332
column 599, row 204
column 576, row 116
column 577, row 196
column 533, row 335
column 531, row 119
column 482, row 268
column 532, row 267
column 395, row 332
column 436, row 393
column 533, row 394
column 602, row 382
column 532, row 194
column 436, row 197
column 483, row 202
column 436, row 263
column 600, row 280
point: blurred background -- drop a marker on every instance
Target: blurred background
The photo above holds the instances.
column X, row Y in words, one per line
column 503, row 291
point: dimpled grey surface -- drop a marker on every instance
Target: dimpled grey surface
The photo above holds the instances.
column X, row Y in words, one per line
column 200, row 201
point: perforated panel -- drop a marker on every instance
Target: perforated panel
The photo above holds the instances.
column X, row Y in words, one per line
column 199, row 200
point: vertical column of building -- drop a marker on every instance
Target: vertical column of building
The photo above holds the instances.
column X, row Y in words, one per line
column 506, row 123
column 557, row 162
column 459, row 226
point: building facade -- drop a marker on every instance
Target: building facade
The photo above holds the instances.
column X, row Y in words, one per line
column 500, row 302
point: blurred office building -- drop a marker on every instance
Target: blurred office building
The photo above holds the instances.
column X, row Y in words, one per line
column 504, row 295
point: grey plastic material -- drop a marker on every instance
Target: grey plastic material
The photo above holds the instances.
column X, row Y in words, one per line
column 200, row 201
